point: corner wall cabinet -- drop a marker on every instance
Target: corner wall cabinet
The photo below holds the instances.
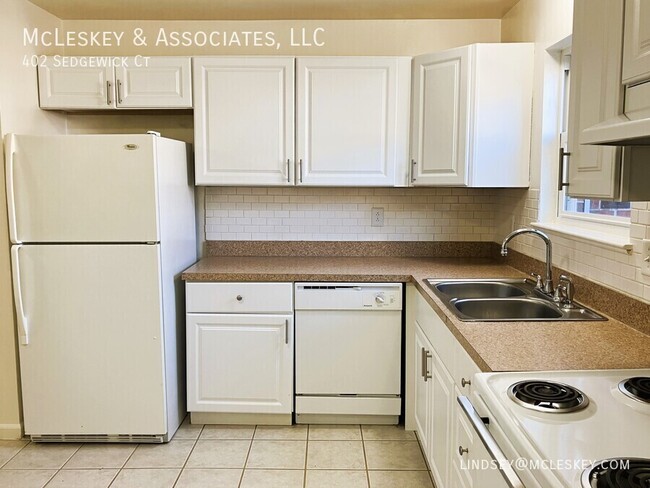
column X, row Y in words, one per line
column 596, row 96
column 610, row 89
column 440, row 370
column 240, row 348
column 141, row 83
column 471, row 116
column 350, row 120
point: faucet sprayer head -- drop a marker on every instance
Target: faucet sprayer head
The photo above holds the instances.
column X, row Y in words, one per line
column 504, row 251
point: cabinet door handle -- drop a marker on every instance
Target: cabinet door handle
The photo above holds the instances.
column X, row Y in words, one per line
column 288, row 171
column 286, row 331
column 108, row 93
column 300, row 170
column 425, row 364
column 462, row 450
column 239, row 298
column 560, row 180
column 413, row 163
column 119, row 92
column 464, row 382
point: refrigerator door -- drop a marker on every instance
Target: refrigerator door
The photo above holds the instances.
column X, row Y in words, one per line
column 93, row 362
column 97, row 188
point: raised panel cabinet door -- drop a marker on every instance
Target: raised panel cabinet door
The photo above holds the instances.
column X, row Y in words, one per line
column 154, row 82
column 239, row 363
column 352, row 119
column 422, row 386
column 439, row 118
column 244, row 120
column 77, row 88
column 442, row 398
column 595, row 96
column 636, row 45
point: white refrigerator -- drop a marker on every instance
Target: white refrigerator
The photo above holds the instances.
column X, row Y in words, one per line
column 101, row 228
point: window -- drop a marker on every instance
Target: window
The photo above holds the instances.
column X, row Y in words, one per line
column 617, row 213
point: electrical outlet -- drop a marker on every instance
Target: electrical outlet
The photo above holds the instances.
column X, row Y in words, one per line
column 377, row 217
column 645, row 257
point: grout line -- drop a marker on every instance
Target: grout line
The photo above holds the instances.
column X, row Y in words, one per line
column 250, row 447
column 365, row 458
column 178, row 477
column 123, row 464
column 304, row 475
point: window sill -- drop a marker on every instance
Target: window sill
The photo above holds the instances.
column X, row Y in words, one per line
column 590, row 236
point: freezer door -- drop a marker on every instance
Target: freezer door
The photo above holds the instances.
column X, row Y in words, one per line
column 93, row 362
column 82, row 188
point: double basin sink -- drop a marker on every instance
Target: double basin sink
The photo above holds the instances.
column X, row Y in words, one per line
column 502, row 300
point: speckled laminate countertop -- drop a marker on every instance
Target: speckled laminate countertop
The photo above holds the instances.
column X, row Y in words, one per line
column 494, row 346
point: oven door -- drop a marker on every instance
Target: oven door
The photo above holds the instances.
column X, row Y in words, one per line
column 487, row 461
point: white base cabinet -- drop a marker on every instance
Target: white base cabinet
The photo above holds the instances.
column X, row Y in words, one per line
column 471, row 116
column 438, row 371
column 138, row 83
column 240, row 340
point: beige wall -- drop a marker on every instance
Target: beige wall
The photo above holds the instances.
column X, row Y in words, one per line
column 19, row 113
column 341, row 37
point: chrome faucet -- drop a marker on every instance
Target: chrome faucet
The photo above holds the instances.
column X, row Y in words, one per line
column 548, row 281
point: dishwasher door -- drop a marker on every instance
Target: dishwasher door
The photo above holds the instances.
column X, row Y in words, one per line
column 348, row 352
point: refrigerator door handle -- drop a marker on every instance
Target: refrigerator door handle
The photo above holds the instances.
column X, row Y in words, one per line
column 23, row 331
column 11, row 205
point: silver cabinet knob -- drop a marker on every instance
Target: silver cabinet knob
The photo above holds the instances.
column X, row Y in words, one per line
column 464, row 382
column 239, row 298
column 462, row 450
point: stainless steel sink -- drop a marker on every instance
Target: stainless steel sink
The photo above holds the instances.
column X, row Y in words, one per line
column 481, row 289
column 503, row 300
column 506, row 309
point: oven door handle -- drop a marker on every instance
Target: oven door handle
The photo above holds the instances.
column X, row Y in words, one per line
column 490, row 444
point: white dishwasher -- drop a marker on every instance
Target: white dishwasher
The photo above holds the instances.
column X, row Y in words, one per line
column 348, row 352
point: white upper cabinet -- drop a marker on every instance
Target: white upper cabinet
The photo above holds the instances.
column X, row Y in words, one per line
column 352, row 119
column 75, row 88
column 471, row 116
column 141, row 83
column 636, row 51
column 244, row 120
column 163, row 82
column 596, row 96
column 350, row 125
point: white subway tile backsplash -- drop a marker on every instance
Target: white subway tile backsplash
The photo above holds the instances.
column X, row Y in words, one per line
column 419, row 214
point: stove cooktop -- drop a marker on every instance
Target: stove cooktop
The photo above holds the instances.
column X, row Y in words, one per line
column 601, row 421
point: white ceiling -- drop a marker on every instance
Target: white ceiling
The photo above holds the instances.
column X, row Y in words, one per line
column 275, row 9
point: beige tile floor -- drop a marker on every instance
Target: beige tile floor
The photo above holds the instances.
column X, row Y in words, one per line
column 218, row 456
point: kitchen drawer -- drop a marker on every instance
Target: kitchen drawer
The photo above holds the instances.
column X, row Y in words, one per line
column 463, row 370
column 239, row 297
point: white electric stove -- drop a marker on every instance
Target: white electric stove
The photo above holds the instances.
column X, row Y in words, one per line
column 555, row 427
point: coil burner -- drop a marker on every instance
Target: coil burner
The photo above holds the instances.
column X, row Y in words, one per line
column 547, row 396
column 617, row 473
column 637, row 388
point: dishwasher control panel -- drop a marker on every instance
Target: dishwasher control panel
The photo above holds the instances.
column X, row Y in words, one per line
column 348, row 296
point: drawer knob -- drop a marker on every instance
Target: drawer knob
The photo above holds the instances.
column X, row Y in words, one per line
column 462, row 450
column 240, row 298
column 464, row 382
